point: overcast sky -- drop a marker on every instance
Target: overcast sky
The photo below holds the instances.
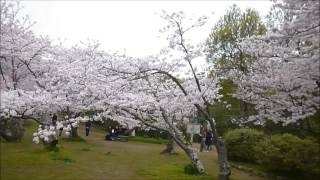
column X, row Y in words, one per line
column 126, row 26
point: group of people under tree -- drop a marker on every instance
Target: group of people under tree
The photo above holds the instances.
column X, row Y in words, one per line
column 206, row 136
column 114, row 133
column 87, row 125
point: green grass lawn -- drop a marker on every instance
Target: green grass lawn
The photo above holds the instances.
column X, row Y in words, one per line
column 94, row 159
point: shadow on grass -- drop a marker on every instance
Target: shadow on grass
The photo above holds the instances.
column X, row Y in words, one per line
column 108, row 153
column 147, row 140
column 172, row 172
column 85, row 149
column 74, row 139
column 59, row 157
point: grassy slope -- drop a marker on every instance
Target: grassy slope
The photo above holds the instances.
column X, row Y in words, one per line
column 97, row 159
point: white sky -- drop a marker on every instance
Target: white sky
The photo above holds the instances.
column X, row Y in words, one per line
column 131, row 27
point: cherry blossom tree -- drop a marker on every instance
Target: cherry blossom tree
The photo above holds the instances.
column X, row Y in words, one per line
column 155, row 101
column 150, row 90
column 20, row 48
column 22, row 62
column 204, row 93
column 36, row 78
column 146, row 91
column 130, row 91
column 283, row 82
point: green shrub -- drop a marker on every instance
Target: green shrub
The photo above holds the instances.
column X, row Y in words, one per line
column 191, row 169
column 241, row 142
column 289, row 153
column 11, row 129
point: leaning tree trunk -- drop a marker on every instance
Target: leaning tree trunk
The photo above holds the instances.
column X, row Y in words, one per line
column 192, row 154
column 169, row 149
column 180, row 140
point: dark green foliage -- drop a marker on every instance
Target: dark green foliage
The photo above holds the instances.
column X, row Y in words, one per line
column 241, row 142
column 191, row 169
column 224, row 52
column 222, row 45
column 289, row 153
column 237, row 110
column 305, row 128
column 196, row 138
column 89, row 113
column 11, row 129
column 283, row 154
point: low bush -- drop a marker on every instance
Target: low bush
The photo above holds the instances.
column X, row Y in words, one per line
column 241, row 142
column 289, row 153
column 11, row 129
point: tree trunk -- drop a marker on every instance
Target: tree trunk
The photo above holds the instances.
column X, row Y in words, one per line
column 181, row 142
column 74, row 132
column 224, row 167
column 192, row 154
column 51, row 145
column 245, row 107
column 169, row 147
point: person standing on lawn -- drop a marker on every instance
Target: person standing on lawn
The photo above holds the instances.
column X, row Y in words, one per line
column 88, row 126
column 208, row 140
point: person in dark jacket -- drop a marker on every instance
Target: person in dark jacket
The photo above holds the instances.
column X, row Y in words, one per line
column 88, row 126
column 208, row 140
